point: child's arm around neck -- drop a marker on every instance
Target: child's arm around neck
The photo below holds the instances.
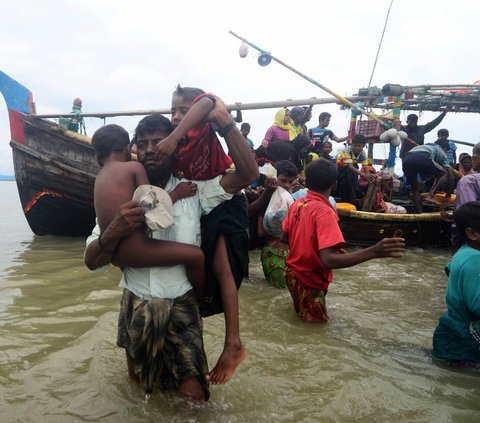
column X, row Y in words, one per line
column 197, row 114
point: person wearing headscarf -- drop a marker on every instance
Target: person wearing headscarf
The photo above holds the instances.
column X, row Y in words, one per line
column 281, row 130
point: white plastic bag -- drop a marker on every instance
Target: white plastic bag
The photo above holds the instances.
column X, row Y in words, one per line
column 277, row 211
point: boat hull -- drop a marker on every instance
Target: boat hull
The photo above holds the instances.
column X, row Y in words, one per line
column 423, row 230
column 55, row 173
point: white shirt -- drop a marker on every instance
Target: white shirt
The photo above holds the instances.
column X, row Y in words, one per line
column 172, row 281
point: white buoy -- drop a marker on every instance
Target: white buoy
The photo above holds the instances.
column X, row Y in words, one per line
column 243, row 50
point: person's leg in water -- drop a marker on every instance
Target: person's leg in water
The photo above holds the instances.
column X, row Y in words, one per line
column 233, row 351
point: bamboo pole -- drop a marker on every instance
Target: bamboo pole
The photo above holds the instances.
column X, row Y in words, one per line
column 323, row 87
column 230, row 107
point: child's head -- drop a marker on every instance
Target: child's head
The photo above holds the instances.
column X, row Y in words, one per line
column 286, row 174
column 109, row 139
column 245, row 129
column 327, row 148
column 443, row 134
column 321, row 175
column 324, row 119
column 181, row 101
column 358, row 143
column 466, row 161
column 467, row 220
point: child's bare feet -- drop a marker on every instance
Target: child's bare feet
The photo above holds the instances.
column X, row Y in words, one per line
column 230, row 358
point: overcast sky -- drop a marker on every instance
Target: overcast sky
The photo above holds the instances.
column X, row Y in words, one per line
column 124, row 55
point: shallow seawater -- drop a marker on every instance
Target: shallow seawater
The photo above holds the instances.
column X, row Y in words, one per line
column 370, row 362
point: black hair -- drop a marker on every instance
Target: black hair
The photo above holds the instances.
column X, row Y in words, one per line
column 476, row 149
column 324, row 115
column 443, row 131
column 297, row 111
column 152, row 123
column 359, row 139
column 108, row 139
column 244, row 125
column 287, row 168
column 468, row 216
column 412, row 116
column 188, row 93
column 320, row 174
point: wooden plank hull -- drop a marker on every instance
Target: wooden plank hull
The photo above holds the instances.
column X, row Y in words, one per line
column 423, row 230
column 55, row 173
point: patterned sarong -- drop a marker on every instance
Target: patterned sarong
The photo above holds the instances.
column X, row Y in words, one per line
column 163, row 338
column 273, row 264
column 309, row 303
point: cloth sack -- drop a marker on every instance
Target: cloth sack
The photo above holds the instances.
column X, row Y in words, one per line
column 157, row 204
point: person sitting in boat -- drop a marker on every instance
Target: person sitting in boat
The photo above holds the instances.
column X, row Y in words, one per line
column 416, row 133
column 281, row 130
column 316, row 244
column 326, row 150
column 74, row 123
column 448, row 146
column 456, row 340
column 465, row 164
column 245, row 130
column 348, row 169
column 321, row 133
column 116, row 183
column 300, row 116
column 426, row 161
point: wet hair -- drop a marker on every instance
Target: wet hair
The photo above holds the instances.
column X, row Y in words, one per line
column 412, row 116
column 324, row 115
column 152, row 123
column 468, row 216
column 320, row 174
column 359, row 139
column 244, row 125
column 287, row 168
column 443, row 131
column 188, row 93
column 108, row 139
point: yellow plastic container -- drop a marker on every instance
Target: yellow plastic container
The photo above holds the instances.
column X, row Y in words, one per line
column 440, row 197
column 346, row 206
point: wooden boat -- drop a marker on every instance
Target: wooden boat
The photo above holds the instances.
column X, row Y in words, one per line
column 55, row 171
column 423, row 230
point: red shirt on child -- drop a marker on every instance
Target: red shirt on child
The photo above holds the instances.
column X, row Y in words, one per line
column 311, row 225
column 200, row 156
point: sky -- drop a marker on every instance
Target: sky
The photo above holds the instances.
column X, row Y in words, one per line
column 126, row 55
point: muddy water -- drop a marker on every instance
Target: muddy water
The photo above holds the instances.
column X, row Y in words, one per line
column 59, row 361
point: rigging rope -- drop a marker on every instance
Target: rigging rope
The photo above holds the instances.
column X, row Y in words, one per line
column 380, row 44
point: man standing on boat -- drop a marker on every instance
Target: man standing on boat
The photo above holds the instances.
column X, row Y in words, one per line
column 185, row 355
column 416, row 133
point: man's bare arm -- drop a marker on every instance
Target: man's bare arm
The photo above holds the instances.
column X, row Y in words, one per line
column 101, row 251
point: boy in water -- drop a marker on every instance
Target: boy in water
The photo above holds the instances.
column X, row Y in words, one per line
column 200, row 156
column 115, row 184
column 456, row 339
column 275, row 251
column 316, row 244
